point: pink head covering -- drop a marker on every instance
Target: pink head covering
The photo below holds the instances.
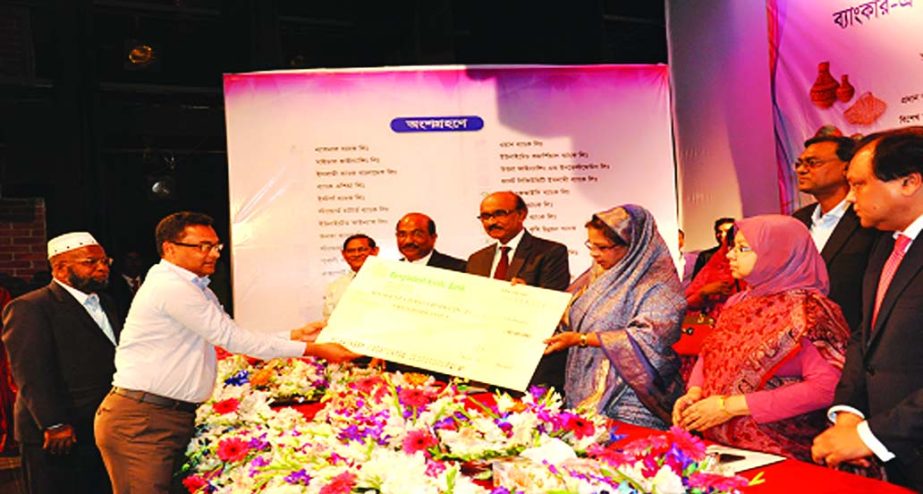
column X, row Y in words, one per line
column 787, row 258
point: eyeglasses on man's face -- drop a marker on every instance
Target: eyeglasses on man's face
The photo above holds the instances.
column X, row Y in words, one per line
column 204, row 247
column 810, row 163
column 499, row 214
column 416, row 235
column 91, row 262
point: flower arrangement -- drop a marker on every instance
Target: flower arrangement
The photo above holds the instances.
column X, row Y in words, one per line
column 285, row 379
column 397, row 433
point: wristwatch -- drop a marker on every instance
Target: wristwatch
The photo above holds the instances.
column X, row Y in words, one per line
column 583, row 339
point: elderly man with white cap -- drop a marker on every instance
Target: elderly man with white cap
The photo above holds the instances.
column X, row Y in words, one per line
column 61, row 341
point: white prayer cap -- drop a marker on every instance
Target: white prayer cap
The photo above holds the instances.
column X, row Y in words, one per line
column 68, row 242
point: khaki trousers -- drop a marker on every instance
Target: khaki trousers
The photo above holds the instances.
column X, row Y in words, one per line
column 142, row 445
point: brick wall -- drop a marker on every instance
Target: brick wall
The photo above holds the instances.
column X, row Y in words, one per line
column 22, row 237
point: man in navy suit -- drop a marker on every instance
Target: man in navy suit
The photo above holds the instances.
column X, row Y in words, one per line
column 840, row 239
column 518, row 254
column 878, row 405
column 61, row 341
column 416, row 239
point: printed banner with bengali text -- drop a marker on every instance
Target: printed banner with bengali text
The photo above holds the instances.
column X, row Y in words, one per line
column 317, row 155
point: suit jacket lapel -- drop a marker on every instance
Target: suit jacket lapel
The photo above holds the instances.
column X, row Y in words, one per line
column 482, row 263
column 79, row 314
column 804, row 214
column 909, row 267
column 519, row 257
column 848, row 224
column 113, row 317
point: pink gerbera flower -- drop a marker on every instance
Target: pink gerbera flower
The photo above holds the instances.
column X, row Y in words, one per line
column 419, row 440
column 413, row 397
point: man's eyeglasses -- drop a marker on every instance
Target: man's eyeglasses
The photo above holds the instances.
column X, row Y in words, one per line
column 416, row 234
column 356, row 250
column 204, row 247
column 91, row 262
column 500, row 213
column 599, row 248
column 810, row 163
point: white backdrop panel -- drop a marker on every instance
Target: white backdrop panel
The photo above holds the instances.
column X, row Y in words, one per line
column 313, row 158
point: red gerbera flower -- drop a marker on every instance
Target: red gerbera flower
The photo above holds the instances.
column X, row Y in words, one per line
column 194, row 483
column 580, row 426
column 226, row 406
column 233, row 449
column 341, row 484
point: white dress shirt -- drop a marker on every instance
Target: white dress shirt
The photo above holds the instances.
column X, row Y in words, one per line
column 512, row 244
column 865, row 432
column 423, row 260
column 335, row 291
column 822, row 225
column 90, row 303
column 167, row 343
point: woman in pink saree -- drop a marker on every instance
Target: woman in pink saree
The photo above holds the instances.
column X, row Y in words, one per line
column 769, row 370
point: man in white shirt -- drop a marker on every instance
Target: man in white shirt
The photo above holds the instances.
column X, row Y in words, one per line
column 878, row 405
column 166, row 361
column 843, row 243
column 356, row 249
column 61, row 342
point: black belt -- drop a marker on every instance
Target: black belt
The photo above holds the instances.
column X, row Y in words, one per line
column 157, row 400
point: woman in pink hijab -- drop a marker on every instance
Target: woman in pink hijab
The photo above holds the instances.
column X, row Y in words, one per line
column 767, row 373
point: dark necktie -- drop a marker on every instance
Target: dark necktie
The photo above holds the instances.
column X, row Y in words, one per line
column 887, row 273
column 503, row 265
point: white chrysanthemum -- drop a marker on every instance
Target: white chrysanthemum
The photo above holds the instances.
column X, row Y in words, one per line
column 524, row 425
column 492, row 433
column 505, row 402
column 667, row 482
column 392, row 472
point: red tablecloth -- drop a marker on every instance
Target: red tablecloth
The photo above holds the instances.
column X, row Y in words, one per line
column 793, row 476
column 786, row 477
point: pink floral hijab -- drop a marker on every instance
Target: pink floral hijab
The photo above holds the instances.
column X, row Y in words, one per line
column 787, row 258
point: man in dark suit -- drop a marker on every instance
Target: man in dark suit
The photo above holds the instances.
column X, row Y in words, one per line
column 721, row 227
column 416, row 239
column 61, row 341
column 841, row 240
column 878, row 406
column 531, row 260
column 125, row 279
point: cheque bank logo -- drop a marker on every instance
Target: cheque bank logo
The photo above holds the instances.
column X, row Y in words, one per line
column 466, row 123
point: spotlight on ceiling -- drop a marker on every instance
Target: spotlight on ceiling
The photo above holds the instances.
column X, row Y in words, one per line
column 141, row 55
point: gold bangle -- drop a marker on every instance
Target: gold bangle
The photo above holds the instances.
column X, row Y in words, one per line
column 583, row 340
column 721, row 405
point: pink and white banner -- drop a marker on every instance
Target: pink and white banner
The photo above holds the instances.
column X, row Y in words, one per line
column 315, row 156
column 856, row 65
